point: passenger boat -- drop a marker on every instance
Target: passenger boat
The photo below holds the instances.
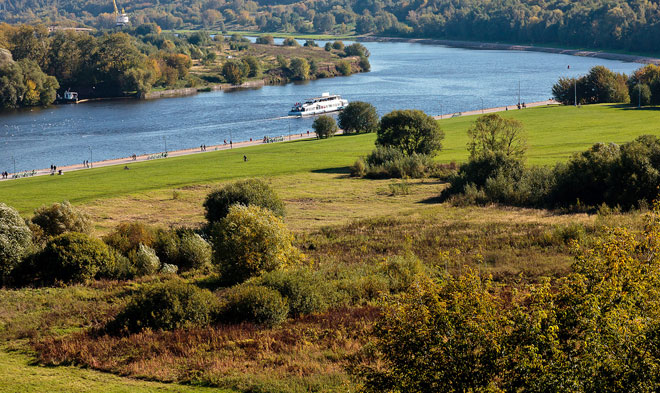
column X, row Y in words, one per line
column 317, row 105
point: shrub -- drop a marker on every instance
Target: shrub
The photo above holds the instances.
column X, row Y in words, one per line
column 60, row 218
column 311, row 44
column 338, row 45
column 129, row 236
column 265, row 40
column 194, row 252
column 251, row 241
column 73, row 258
column 356, row 49
column 328, row 46
column 145, row 260
column 250, row 192
column 15, row 240
column 364, row 64
column 290, row 42
column 358, row 117
column 183, row 248
column 254, row 303
column 389, row 162
column 344, row 68
column 169, row 305
column 304, row 291
column 169, row 269
column 402, row 272
column 324, row 126
column 411, row 131
column 299, row 68
column 359, row 168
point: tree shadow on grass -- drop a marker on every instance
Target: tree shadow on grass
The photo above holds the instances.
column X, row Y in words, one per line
column 342, row 170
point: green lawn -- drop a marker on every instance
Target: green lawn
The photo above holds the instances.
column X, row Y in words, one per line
column 554, row 133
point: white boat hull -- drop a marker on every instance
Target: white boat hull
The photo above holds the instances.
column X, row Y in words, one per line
column 316, row 111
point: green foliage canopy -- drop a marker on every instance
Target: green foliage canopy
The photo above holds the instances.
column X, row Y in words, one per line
column 411, row 131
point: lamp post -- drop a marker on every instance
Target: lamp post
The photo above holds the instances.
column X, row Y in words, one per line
column 639, row 90
column 231, row 140
column 575, row 90
column 91, row 159
column 14, row 159
column 482, row 105
column 165, row 142
column 441, row 111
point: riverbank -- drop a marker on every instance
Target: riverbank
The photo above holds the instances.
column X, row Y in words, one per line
column 228, row 146
column 527, row 48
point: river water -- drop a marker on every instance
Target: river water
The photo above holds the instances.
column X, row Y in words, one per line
column 403, row 76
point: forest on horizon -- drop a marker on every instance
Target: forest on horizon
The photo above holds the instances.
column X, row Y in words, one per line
column 627, row 25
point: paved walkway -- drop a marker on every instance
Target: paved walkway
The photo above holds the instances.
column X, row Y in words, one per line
column 496, row 109
column 237, row 145
column 174, row 153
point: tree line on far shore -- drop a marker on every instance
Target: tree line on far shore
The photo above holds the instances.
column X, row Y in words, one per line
column 600, row 24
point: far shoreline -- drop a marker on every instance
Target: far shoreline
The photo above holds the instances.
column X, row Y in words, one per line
column 525, row 48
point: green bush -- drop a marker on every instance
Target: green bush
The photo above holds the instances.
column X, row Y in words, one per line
column 183, row 248
column 390, row 162
column 145, row 260
column 402, row 271
column 265, row 40
column 324, row 126
column 290, row 42
column 256, row 304
column 245, row 192
column 251, row 241
column 194, row 252
column 344, row 68
column 73, row 258
column 15, row 240
column 304, row 291
column 60, row 218
column 169, row 305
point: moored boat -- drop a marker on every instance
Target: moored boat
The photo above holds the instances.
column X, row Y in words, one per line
column 314, row 106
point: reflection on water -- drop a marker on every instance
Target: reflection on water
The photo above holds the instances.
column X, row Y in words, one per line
column 403, row 76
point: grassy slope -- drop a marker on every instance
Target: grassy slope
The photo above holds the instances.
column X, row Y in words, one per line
column 553, row 133
column 18, row 375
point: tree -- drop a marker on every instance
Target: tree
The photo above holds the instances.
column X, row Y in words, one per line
column 249, row 241
column 299, row 69
column 244, row 192
column 15, row 240
column 344, row 68
column 356, row 49
column 233, row 72
column 324, row 126
column 324, row 22
column 492, row 134
column 411, row 131
column 253, row 66
column 358, row 117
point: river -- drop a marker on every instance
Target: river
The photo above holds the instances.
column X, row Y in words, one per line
column 403, row 76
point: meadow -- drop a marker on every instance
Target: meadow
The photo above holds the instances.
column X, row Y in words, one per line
column 553, row 133
column 348, row 228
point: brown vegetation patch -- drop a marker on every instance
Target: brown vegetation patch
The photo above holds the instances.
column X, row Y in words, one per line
column 301, row 353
